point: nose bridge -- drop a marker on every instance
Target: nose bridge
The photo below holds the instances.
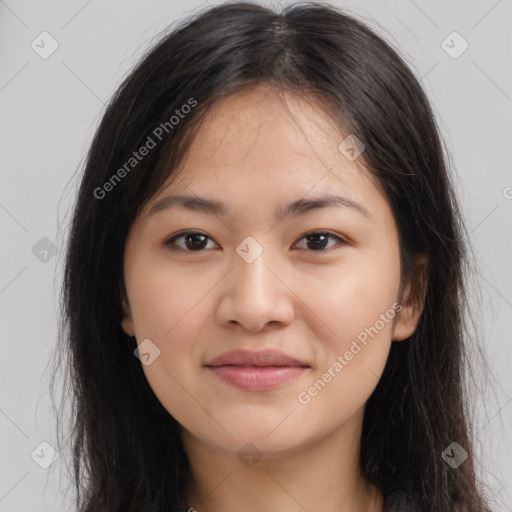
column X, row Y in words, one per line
column 255, row 296
column 251, row 265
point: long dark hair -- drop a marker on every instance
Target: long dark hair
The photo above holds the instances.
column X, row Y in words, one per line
column 127, row 452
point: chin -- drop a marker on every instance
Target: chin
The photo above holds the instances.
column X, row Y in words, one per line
column 260, row 441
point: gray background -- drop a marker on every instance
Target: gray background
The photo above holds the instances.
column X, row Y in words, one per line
column 50, row 108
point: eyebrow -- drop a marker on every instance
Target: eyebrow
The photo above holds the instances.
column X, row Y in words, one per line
column 298, row 207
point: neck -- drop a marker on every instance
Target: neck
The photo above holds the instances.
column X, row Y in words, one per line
column 323, row 475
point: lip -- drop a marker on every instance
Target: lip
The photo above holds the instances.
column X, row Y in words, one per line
column 252, row 358
column 256, row 371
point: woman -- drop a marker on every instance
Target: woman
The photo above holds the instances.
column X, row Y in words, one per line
column 264, row 295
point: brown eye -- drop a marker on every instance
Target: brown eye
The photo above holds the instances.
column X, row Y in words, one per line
column 192, row 241
column 317, row 241
column 195, row 241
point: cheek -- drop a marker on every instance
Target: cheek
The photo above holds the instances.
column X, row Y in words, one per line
column 353, row 298
column 169, row 308
column 165, row 299
column 353, row 355
column 356, row 304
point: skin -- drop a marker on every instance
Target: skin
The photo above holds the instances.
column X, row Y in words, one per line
column 258, row 151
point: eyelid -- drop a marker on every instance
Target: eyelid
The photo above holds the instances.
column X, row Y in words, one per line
column 341, row 240
column 169, row 241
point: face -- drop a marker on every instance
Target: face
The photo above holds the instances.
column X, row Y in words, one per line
column 212, row 288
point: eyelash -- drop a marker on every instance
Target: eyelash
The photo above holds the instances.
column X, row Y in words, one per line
column 170, row 242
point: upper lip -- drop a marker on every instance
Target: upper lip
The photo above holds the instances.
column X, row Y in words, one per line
column 251, row 358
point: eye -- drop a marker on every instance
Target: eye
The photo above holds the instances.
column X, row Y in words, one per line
column 195, row 241
column 318, row 240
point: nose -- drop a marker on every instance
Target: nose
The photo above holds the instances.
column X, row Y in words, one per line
column 255, row 295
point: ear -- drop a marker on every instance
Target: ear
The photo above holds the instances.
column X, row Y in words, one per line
column 412, row 299
column 127, row 322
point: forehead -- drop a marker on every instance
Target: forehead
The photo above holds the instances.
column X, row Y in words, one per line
column 260, row 123
column 260, row 150
column 261, row 136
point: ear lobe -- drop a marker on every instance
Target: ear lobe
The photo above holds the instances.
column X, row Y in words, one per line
column 126, row 322
column 127, row 325
column 413, row 300
column 407, row 320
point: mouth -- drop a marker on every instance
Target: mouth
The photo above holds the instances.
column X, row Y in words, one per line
column 256, row 371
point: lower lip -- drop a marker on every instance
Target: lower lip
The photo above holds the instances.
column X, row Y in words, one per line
column 257, row 378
